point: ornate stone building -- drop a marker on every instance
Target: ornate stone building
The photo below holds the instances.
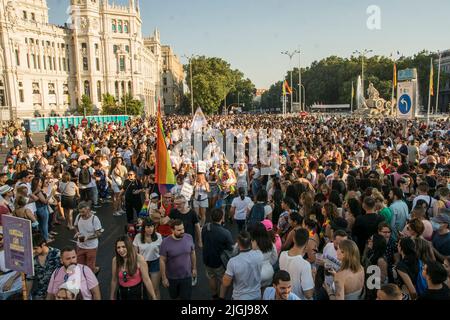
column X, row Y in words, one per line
column 46, row 69
column 172, row 80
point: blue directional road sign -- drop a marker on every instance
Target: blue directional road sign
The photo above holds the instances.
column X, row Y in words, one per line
column 405, row 104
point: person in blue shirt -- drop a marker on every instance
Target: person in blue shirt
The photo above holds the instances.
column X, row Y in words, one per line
column 281, row 288
column 400, row 212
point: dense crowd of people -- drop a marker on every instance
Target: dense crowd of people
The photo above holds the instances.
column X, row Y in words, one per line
column 357, row 209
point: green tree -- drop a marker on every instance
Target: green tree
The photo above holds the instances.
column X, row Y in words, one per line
column 131, row 106
column 329, row 80
column 85, row 107
column 213, row 80
column 109, row 105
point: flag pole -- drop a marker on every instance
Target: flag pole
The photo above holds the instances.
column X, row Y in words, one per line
column 353, row 95
column 429, row 93
column 394, row 83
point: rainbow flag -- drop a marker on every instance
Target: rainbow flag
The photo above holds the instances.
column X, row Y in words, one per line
column 431, row 79
column 144, row 210
column 164, row 173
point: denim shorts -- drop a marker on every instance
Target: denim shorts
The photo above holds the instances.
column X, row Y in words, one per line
column 153, row 266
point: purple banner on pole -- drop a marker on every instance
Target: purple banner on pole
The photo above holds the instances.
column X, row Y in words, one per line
column 18, row 244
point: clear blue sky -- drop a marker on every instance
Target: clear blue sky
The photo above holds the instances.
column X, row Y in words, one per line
column 250, row 34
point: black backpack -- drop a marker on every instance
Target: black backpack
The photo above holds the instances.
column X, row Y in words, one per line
column 84, row 176
column 256, row 213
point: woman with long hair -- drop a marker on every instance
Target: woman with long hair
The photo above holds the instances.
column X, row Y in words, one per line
column 289, row 206
column 201, row 203
column 117, row 180
column 42, row 212
column 295, row 222
column 353, row 209
column 349, row 280
column 129, row 273
column 69, row 194
column 375, row 255
column 306, row 203
column 330, row 213
column 262, row 241
column 407, row 268
column 148, row 243
column 424, row 248
column 21, row 211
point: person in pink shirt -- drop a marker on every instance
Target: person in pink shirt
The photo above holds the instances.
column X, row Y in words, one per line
column 75, row 275
column 275, row 237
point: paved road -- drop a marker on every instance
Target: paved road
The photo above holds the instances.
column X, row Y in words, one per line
column 114, row 227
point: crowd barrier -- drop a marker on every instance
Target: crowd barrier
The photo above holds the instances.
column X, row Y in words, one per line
column 41, row 124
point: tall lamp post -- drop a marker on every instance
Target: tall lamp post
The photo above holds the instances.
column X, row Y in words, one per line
column 291, row 55
column 190, row 72
column 395, row 56
column 438, row 83
column 363, row 55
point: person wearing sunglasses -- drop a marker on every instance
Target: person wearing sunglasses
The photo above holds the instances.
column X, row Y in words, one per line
column 130, row 276
column 78, row 275
column 132, row 189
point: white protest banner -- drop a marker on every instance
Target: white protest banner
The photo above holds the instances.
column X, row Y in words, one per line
column 201, row 167
column 187, row 190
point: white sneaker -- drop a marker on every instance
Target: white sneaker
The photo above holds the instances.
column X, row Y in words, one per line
column 122, row 211
column 117, row 214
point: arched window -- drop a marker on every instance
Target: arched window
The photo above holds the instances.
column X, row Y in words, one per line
column 130, row 87
column 99, row 91
column 114, row 25
column 123, row 88
column 125, row 27
column 87, row 88
column 120, row 26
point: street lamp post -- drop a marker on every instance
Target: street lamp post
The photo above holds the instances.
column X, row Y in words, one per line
column 396, row 58
column 362, row 54
column 192, row 88
column 291, row 55
column 438, row 83
column 304, row 96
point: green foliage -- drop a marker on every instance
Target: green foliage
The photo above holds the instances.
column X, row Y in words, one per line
column 213, row 82
column 131, row 106
column 329, row 81
column 128, row 105
column 109, row 105
column 85, row 105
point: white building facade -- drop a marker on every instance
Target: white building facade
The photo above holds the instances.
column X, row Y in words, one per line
column 46, row 69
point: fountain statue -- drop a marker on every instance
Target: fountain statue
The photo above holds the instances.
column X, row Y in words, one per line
column 373, row 106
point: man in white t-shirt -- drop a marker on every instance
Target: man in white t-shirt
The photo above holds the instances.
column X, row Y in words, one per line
column 88, row 229
column 422, row 189
column 239, row 208
column 299, row 269
column 330, row 250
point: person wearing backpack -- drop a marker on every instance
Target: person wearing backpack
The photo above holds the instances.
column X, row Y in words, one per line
column 75, row 274
column 85, row 182
column 216, row 239
column 423, row 189
column 89, row 229
column 435, row 275
column 260, row 210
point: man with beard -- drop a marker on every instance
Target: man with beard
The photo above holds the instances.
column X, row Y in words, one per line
column 75, row 275
column 178, row 262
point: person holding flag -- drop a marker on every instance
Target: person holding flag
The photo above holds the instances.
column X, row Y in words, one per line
column 164, row 177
